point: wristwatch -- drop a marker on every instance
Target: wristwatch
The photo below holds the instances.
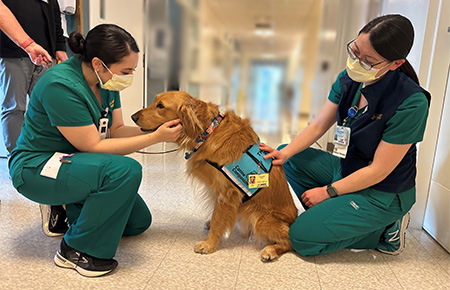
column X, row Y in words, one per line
column 331, row 190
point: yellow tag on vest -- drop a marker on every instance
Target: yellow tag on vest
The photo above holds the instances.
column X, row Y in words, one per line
column 258, row 180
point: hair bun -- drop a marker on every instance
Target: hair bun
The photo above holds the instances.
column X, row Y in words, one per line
column 76, row 42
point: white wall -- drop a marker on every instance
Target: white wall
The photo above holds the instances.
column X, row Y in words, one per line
column 433, row 76
column 437, row 214
column 416, row 11
column 433, row 180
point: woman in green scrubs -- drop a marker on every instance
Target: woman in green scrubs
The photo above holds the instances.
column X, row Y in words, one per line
column 360, row 195
column 71, row 146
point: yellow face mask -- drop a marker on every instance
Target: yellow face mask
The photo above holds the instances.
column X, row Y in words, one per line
column 117, row 82
column 357, row 73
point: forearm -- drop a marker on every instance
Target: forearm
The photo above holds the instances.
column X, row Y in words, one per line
column 124, row 145
column 359, row 180
column 126, row 131
column 10, row 26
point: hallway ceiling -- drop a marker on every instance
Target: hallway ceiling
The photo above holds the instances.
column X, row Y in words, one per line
column 240, row 18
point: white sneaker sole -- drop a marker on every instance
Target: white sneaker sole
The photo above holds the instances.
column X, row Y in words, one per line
column 62, row 262
column 45, row 216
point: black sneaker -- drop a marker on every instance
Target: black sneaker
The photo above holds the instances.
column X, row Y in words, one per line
column 54, row 220
column 84, row 264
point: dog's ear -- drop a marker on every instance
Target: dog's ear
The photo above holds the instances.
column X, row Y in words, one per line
column 189, row 119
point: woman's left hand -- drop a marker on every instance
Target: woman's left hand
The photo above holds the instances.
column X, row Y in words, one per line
column 314, row 196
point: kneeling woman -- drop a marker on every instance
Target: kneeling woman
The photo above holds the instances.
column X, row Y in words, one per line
column 64, row 156
column 359, row 197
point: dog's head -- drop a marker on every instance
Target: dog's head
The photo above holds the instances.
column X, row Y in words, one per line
column 194, row 114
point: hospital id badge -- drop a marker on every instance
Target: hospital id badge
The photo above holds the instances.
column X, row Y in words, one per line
column 103, row 128
column 258, row 180
column 341, row 141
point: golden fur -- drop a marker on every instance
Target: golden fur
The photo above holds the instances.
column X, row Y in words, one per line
column 267, row 215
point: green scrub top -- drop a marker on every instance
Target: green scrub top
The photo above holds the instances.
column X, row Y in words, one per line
column 407, row 126
column 61, row 97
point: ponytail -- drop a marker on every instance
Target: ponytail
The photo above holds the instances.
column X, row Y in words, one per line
column 409, row 71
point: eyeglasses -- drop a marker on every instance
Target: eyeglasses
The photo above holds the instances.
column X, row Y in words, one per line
column 353, row 55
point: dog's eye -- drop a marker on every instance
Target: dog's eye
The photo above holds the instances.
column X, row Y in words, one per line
column 160, row 106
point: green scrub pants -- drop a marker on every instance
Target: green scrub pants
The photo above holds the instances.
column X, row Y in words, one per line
column 100, row 194
column 355, row 220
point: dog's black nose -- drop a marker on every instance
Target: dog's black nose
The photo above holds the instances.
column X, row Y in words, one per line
column 135, row 117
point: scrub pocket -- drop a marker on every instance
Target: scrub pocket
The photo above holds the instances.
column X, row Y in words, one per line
column 358, row 215
column 353, row 217
column 17, row 170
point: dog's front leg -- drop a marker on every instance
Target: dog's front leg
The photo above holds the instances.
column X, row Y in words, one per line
column 223, row 219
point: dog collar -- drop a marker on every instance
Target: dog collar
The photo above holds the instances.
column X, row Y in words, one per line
column 205, row 135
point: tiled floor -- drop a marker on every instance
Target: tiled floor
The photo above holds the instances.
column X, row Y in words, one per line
column 163, row 257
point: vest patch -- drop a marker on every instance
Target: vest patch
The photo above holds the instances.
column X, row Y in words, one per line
column 251, row 162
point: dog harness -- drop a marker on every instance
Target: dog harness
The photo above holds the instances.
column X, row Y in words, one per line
column 205, row 135
column 251, row 162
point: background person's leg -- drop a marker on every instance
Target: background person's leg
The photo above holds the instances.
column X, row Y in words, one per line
column 15, row 78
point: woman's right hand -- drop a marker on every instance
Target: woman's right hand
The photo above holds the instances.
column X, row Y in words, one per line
column 280, row 157
column 169, row 131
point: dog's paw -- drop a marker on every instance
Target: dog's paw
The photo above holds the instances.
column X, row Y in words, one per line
column 268, row 254
column 204, row 248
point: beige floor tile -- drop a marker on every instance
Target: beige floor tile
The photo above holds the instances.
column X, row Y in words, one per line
column 248, row 280
column 433, row 248
column 347, row 269
column 181, row 272
column 20, row 217
column 29, row 264
column 415, row 268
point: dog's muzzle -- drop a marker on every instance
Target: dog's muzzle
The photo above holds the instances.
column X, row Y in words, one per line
column 135, row 118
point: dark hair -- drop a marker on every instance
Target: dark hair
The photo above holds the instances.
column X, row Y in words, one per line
column 108, row 42
column 392, row 37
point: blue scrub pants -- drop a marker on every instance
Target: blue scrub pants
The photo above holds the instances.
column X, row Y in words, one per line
column 100, row 194
column 356, row 220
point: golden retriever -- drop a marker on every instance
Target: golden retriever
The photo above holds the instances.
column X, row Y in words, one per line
column 267, row 215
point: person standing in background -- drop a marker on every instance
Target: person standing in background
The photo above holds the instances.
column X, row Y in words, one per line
column 11, row 27
column 31, row 40
column 41, row 21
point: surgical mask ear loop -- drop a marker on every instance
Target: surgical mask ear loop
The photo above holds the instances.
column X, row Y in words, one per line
column 107, row 67
column 99, row 79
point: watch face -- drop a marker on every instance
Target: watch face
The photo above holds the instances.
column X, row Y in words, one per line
column 332, row 191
